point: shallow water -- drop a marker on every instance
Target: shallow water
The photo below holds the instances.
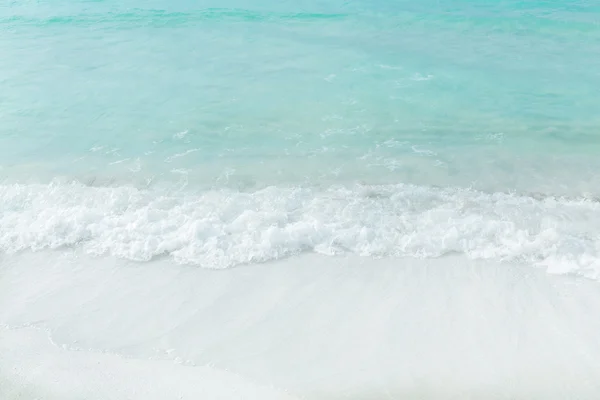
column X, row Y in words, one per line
column 308, row 100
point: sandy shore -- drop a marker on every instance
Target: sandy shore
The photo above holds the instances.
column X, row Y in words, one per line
column 309, row 327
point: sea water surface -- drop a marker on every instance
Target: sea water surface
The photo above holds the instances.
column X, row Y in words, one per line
column 207, row 134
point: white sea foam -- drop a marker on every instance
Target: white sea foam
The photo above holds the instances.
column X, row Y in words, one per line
column 224, row 228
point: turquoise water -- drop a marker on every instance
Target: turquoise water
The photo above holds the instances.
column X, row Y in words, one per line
column 223, row 133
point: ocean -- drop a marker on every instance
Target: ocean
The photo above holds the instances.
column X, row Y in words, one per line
column 312, row 199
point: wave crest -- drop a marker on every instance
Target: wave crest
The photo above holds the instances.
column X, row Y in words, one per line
column 225, row 228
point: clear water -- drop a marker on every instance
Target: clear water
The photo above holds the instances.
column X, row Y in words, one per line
column 231, row 132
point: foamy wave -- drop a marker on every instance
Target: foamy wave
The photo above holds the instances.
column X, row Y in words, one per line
column 224, row 228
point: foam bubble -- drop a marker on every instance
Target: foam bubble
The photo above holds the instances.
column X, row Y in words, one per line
column 224, row 228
